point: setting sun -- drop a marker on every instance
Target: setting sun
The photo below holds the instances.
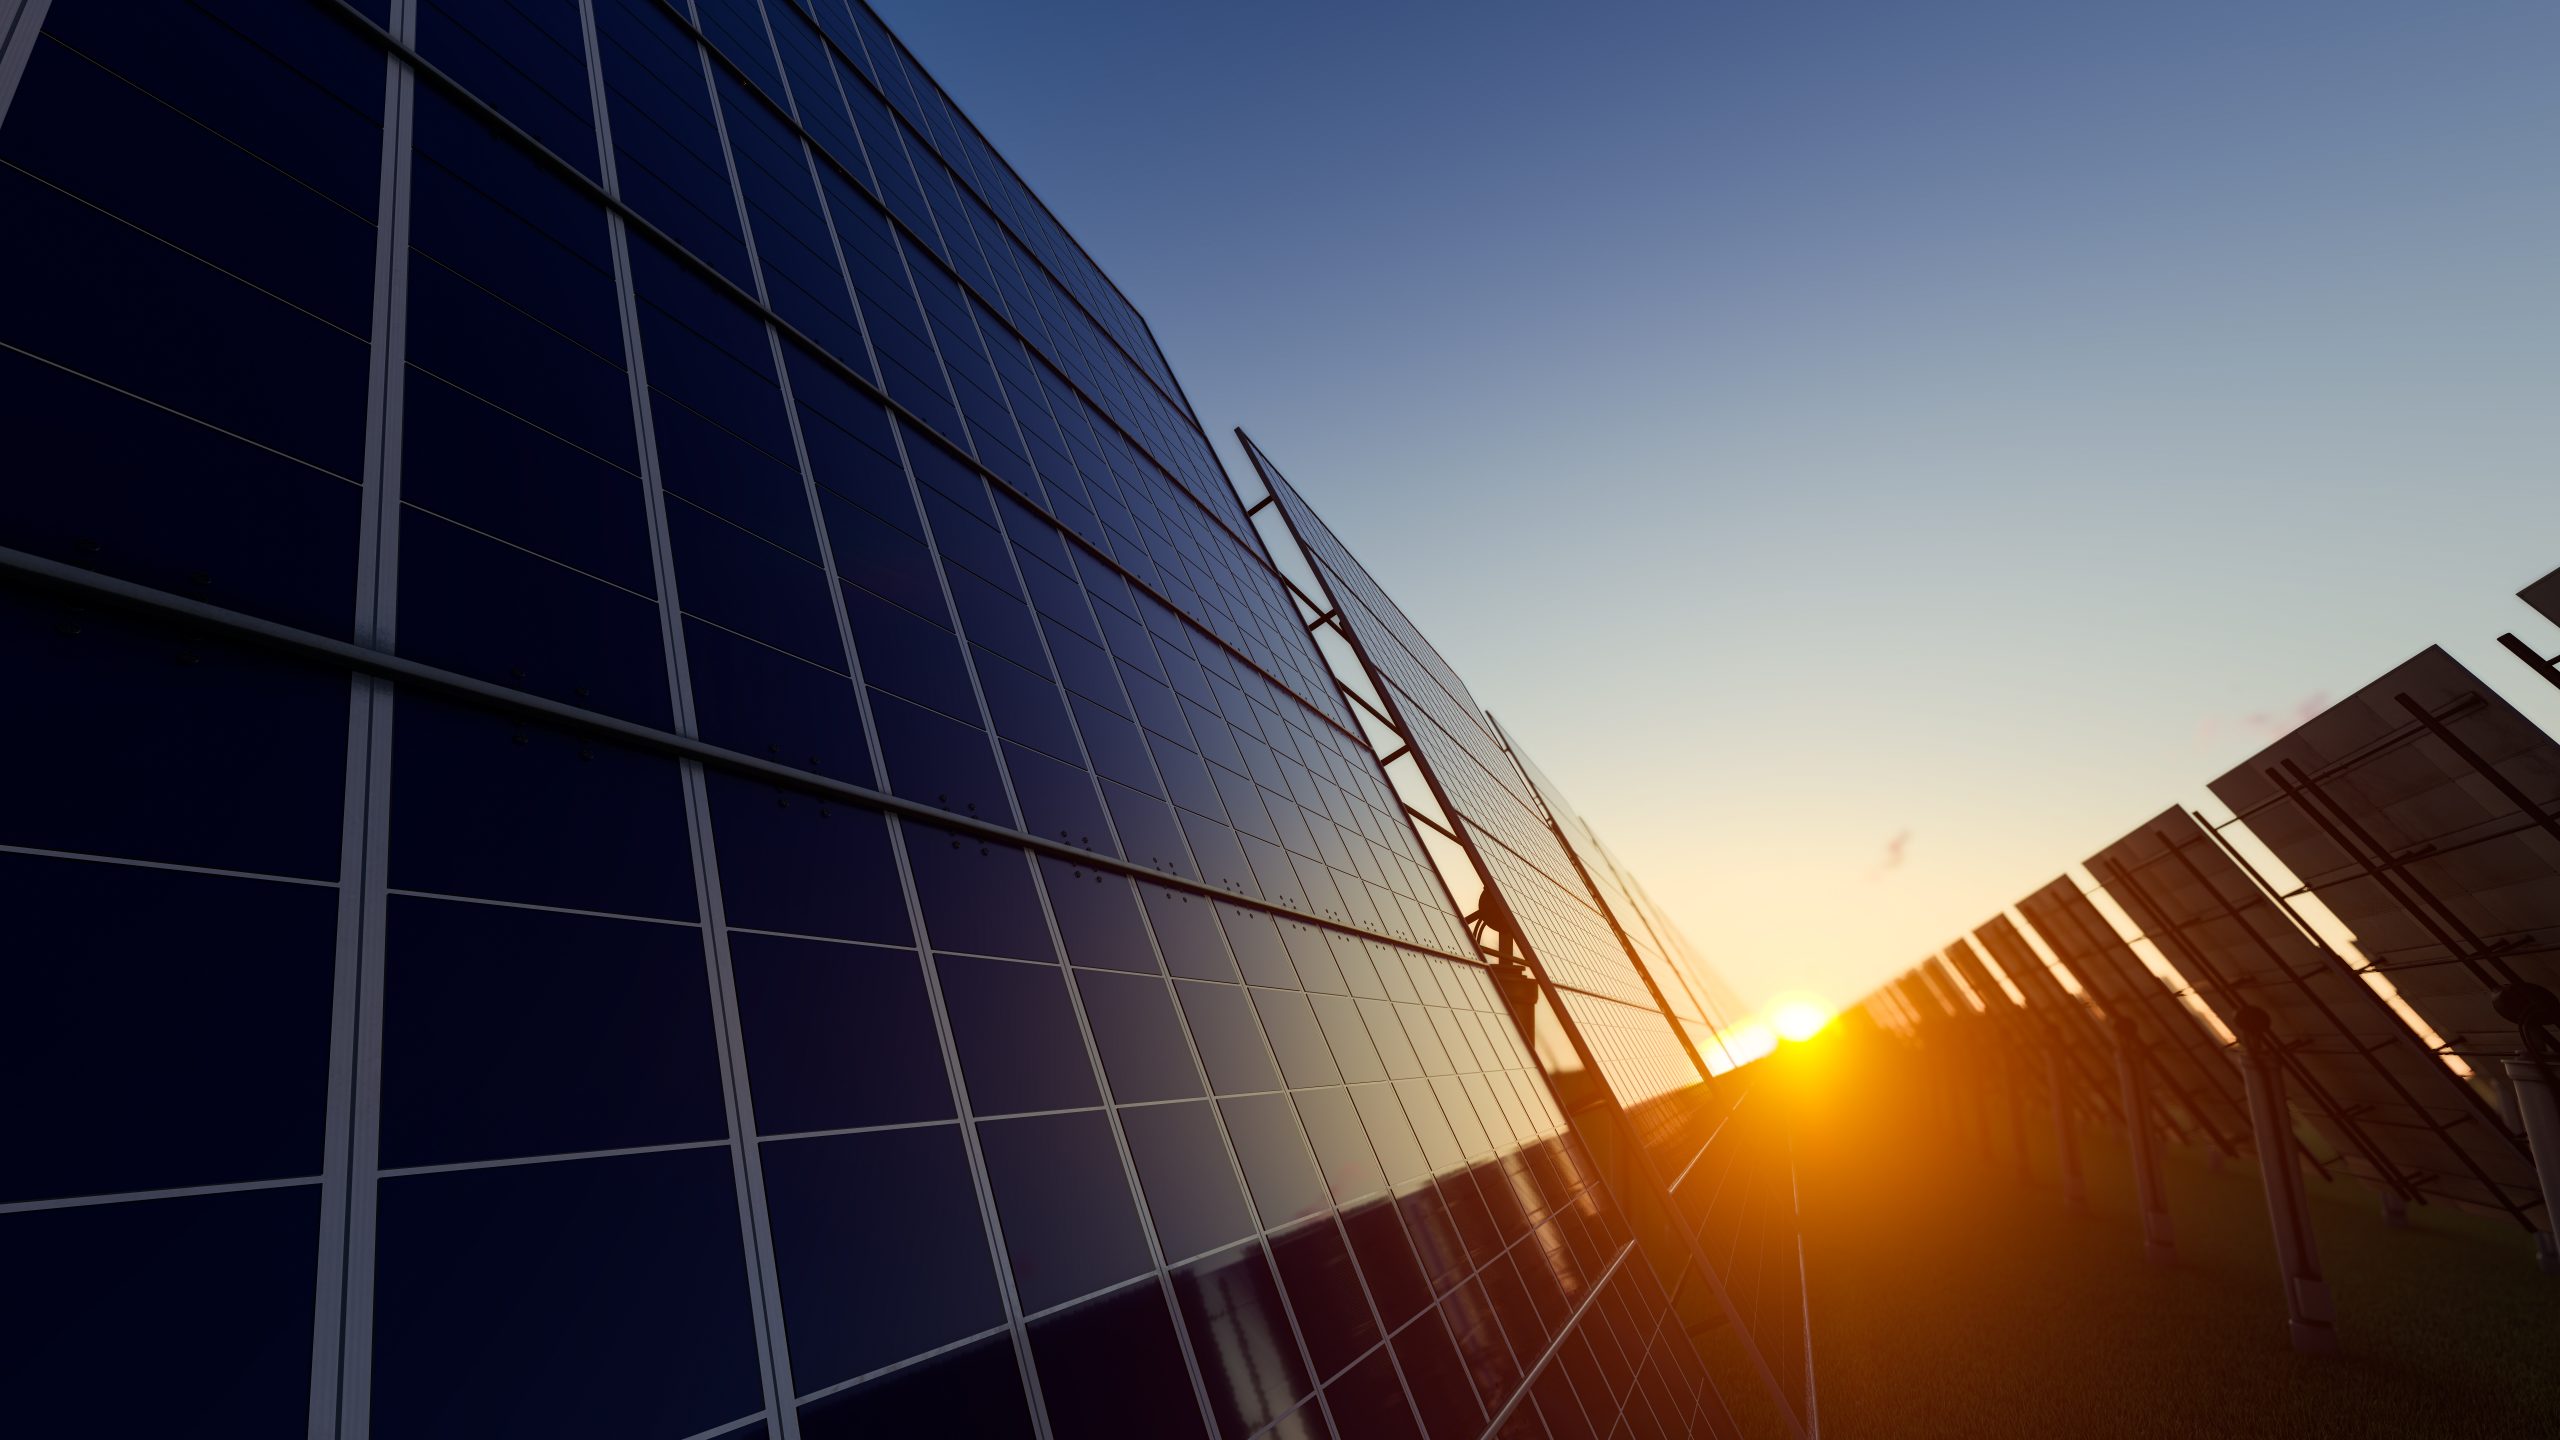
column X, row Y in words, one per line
column 1798, row 1017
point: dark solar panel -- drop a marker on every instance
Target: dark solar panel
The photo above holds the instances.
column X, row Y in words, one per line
column 2064, row 1020
column 2399, row 1116
column 2424, row 811
column 2194, row 1071
column 677, row 800
column 1717, row 1161
column 2544, row 596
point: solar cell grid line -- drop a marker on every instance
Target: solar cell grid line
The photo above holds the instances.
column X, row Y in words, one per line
column 721, row 280
column 1533, row 909
column 545, row 820
column 1216, row 492
column 968, row 246
column 1152, row 358
column 756, row 249
column 2392, row 1104
column 2187, row 1057
column 1704, row 997
column 891, row 84
column 1474, row 776
column 2426, row 832
column 1613, row 901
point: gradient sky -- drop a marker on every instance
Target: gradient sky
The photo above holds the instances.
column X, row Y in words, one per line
column 1808, row 425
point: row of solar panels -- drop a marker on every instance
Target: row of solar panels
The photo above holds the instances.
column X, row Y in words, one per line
column 1624, row 1018
column 2423, row 814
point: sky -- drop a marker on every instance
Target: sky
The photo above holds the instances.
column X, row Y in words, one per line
column 1871, row 455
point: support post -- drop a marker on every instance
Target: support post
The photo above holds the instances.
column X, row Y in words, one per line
column 2013, row 1082
column 2508, row 1109
column 2539, row 1105
column 2395, row 1210
column 2533, row 1079
column 2075, row 1192
column 2309, row 1317
column 1977, row 1071
column 2151, row 1199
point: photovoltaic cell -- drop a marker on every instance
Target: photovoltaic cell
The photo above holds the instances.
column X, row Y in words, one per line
column 1549, row 886
column 713, row 432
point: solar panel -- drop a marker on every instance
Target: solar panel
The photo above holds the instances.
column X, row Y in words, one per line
column 2065, row 1018
column 890, row 925
column 1977, row 977
column 1959, row 999
column 1679, row 982
column 2402, row 1120
column 1715, row 1159
column 2421, row 810
column 1924, row 998
column 2194, row 1070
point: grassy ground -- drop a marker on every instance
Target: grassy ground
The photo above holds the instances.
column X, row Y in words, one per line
column 1949, row 1299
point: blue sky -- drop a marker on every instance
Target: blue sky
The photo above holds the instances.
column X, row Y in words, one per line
column 1812, row 425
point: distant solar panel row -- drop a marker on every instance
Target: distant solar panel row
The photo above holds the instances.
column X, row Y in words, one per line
column 2423, row 812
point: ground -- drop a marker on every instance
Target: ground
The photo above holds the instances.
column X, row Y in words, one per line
column 1951, row 1299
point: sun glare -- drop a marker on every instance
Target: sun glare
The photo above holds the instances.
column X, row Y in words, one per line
column 1798, row 1017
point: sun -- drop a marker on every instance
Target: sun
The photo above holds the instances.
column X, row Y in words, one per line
column 1798, row 1017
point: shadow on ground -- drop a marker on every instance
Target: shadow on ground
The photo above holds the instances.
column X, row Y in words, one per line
column 1951, row 1299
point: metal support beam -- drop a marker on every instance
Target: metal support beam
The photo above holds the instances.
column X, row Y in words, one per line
column 2310, row 1318
column 2075, row 1190
column 2466, row 1098
column 2547, row 669
column 2479, row 766
column 1644, row 1183
column 2155, row 917
column 2010, row 1081
column 2390, row 876
column 2151, row 1199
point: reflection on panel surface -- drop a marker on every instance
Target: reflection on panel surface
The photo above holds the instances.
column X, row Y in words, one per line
column 858, row 909
column 1599, row 969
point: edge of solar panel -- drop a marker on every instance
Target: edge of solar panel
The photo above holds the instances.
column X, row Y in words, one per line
column 2544, row 596
column 1558, row 914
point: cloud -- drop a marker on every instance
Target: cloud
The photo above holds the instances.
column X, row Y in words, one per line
column 2264, row 725
column 1894, row 850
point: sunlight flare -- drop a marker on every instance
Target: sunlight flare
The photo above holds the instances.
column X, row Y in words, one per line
column 1798, row 1017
